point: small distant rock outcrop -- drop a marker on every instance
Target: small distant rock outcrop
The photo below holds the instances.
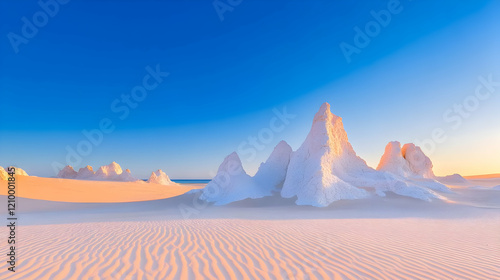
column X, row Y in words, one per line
column 67, row 172
column 4, row 172
column 452, row 179
column 159, row 177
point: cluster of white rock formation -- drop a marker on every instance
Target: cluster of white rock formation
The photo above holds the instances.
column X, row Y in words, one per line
column 324, row 169
column 111, row 172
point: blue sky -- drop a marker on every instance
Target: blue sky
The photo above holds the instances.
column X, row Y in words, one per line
column 228, row 77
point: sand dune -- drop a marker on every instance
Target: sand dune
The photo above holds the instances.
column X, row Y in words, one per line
column 486, row 176
column 69, row 190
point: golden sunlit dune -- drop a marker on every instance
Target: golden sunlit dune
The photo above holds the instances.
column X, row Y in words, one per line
column 486, row 176
column 69, row 190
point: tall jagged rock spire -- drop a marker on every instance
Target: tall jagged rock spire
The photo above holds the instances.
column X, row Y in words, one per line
column 316, row 169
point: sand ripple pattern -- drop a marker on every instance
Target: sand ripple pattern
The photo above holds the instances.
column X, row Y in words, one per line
column 256, row 249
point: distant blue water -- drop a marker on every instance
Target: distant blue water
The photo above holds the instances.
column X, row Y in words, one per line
column 191, row 181
column 188, row 181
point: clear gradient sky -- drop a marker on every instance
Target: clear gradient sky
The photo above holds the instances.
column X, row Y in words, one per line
column 227, row 76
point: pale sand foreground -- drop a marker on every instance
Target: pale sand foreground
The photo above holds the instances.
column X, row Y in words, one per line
column 260, row 249
column 378, row 238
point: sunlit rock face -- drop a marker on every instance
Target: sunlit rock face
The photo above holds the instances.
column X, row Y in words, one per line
column 411, row 164
column 419, row 163
column 319, row 170
column 109, row 171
